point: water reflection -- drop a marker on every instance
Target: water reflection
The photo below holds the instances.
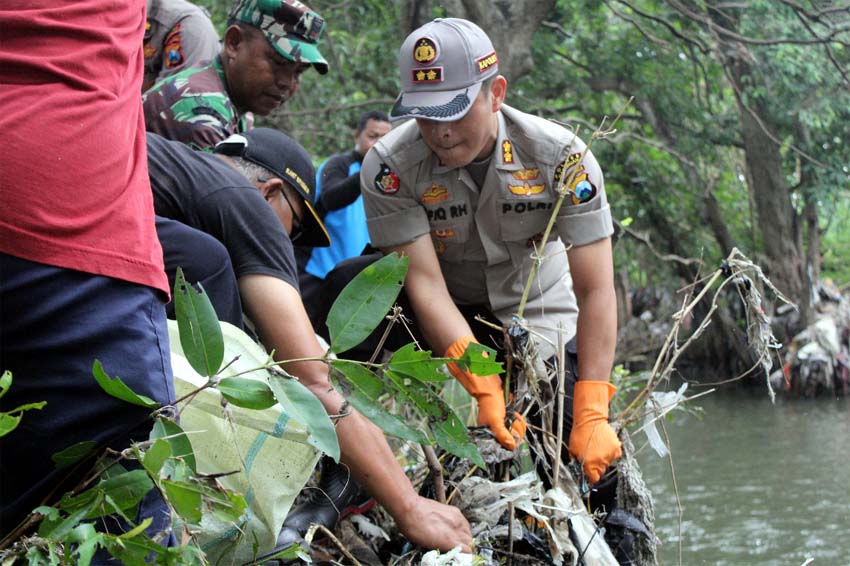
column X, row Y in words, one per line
column 758, row 483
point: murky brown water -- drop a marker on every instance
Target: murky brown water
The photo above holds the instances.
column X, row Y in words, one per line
column 758, row 483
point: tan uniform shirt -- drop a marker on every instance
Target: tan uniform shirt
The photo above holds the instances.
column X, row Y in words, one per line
column 178, row 35
column 485, row 237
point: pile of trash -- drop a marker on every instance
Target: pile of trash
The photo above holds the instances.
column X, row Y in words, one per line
column 817, row 361
column 517, row 521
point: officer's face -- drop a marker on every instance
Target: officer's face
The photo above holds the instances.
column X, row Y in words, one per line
column 258, row 78
column 469, row 139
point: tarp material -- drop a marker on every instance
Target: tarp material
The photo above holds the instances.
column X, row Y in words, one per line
column 268, row 450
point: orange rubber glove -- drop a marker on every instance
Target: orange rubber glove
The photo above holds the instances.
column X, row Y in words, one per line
column 592, row 441
column 488, row 391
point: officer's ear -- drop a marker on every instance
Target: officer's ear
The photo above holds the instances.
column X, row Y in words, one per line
column 269, row 188
column 498, row 90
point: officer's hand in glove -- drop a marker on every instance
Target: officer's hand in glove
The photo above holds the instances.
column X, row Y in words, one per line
column 592, row 441
column 488, row 391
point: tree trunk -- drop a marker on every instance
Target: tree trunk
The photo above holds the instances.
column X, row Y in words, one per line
column 778, row 220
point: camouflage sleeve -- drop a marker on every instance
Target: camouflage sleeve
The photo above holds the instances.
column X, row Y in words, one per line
column 199, row 121
column 191, row 42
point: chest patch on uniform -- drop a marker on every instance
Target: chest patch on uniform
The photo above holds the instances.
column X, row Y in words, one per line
column 439, row 246
column 436, row 193
column 526, row 189
column 173, row 56
column 507, row 152
column 425, row 51
column 149, row 50
column 386, row 180
column 428, row 75
column 526, row 174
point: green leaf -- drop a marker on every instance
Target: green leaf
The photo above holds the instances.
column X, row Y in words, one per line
column 181, row 448
column 248, row 393
column 226, row 505
column 73, row 454
column 480, row 360
column 360, row 377
column 288, row 553
column 185, row 499
column 55, row 527
column 200, row 332
column 87, row 540
column 5, row 382
column 126, row 490
column 462, row 449
column 134, row 551
column 138, row 529
column 366, row 389
column 362, row 304
column 155, row 456
column 305, row 407
column 418, row 364
column 8, row 423
column 118, row 389
column 386, row 421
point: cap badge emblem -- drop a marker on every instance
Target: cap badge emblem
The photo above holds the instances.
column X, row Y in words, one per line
column 425, row 51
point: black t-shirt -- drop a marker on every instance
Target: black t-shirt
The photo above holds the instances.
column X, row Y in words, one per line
column 204, row 192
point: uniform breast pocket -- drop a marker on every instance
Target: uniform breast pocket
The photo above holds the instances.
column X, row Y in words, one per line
column 524, row 220
column 449, row 239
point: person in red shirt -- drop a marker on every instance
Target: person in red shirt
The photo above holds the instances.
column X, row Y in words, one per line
column 82, row 269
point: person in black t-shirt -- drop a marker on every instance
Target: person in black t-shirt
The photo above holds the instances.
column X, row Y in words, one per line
column 255, row 197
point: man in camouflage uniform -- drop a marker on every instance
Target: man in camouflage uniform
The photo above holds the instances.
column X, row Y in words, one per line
column 266, row 48
column 178, row 35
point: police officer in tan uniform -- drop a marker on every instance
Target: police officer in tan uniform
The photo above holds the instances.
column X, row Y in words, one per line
column 466, row 189
column 178, row 35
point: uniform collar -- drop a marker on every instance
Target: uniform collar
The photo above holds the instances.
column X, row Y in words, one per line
column 503, row 158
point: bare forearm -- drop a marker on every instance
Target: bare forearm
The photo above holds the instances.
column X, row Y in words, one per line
column 283, row 325
column 596, row 333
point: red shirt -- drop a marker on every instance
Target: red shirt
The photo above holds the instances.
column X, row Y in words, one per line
column 74, row 188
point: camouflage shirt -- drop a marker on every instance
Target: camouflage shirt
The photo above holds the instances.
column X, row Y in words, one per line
column 193, row 107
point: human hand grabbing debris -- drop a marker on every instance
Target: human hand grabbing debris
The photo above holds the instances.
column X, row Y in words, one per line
column 592, row 441
column 434, row 525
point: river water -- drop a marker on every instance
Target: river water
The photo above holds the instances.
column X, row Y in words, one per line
column 758, row 483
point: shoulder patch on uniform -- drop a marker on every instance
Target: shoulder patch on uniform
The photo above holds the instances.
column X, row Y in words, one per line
column 582, row 190
column 436, row 193
column 386, row 180
column 173, row 53
column 507, row 152
column 568, row 162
